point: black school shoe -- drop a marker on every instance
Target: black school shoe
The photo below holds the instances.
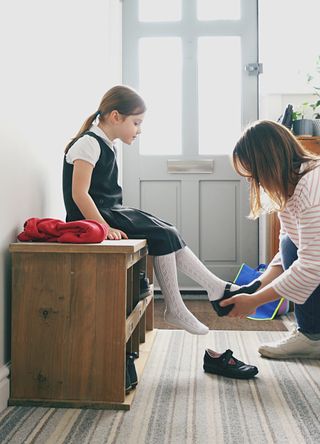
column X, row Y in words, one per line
column 128, row 381
column 131, row 370
column 247, row 289
column 227, row 365
column 144, row 285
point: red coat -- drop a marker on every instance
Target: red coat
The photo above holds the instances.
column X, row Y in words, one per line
column 55, row 230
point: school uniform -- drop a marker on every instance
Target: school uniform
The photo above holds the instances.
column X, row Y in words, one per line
column 95, row 148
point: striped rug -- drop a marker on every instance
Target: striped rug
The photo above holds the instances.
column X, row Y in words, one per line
column 177, row 403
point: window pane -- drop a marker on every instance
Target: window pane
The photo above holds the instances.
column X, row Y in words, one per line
column 218, row 10
column 288, row 74
column 160, row 70
column 159, row 10
column 219, row 86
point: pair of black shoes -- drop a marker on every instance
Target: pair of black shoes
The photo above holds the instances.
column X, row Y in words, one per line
column 226, row 364
column 247, row 289
column 131, row 374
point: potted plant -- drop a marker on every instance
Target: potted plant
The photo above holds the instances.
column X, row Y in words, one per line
column 316, row 118
column 314, row 82
column 300, row 125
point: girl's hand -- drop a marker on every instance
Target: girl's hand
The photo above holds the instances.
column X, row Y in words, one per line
column 244, row 305
column 115, row 234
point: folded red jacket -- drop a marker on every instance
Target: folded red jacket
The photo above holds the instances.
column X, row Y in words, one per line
column 55, row 230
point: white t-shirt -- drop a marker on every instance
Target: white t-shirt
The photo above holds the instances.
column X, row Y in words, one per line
column 87, row 148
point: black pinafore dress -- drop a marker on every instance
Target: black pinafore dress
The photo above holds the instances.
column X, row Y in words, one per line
column 162, row 237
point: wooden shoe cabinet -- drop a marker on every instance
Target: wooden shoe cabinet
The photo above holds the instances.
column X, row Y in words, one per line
column 76, row 311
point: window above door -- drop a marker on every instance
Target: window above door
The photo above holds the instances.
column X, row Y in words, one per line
column 187, row 59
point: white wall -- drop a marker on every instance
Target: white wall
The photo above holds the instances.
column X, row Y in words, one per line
column 288, row 47
column 57, row 60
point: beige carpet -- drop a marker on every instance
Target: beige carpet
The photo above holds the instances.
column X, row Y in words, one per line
column 177, row 403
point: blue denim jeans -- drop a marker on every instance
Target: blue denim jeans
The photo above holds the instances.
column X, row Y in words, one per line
column 307, row 314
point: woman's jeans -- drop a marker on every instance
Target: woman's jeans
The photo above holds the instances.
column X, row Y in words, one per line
column 307, row 314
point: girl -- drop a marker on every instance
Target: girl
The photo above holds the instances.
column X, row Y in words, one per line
column 91, row 191
column 274, row 161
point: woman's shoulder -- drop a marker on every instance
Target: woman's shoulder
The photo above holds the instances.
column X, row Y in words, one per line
column 311, row 170
column 308, row 186
column 85, row 148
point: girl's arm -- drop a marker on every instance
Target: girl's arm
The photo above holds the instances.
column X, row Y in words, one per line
column 81, row 179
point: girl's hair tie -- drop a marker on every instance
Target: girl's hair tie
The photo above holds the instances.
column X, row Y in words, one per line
column 97, row 113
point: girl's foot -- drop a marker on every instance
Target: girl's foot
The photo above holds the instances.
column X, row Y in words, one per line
column 228, row 293
column 184, row 319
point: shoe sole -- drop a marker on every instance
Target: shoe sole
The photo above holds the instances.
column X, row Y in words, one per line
column 222, row 373
column 286, row 356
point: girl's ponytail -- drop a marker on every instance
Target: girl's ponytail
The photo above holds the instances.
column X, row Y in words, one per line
column 85, row 127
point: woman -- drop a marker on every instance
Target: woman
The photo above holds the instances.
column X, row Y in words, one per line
column 279, row 168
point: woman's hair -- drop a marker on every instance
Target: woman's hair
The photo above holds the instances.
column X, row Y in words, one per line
column 121, row 98
column 270, row 156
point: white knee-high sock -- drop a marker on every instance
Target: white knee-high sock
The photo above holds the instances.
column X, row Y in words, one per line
column 190, row 265
column 176, row 312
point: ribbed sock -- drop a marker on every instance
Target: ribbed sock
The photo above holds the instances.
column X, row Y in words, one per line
column 190, row 265
column 176, row 312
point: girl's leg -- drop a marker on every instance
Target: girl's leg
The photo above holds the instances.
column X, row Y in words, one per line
column 176, row 312
column 190, row 265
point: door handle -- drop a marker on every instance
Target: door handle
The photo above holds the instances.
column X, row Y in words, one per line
column 175, row 166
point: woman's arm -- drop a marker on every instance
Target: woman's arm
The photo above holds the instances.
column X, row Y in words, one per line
column 81, row 179
column 246, row 304
column 271, row 273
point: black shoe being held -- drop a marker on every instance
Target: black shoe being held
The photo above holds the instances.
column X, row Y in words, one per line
column 226, row 364
column 247, row 289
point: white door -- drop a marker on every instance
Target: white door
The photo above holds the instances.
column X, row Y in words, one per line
column 191, row 61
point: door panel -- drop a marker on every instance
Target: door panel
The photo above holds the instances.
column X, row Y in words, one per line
column 168, row 205
column 218, row 213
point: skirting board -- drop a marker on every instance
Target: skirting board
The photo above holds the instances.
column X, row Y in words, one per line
column 4, row 386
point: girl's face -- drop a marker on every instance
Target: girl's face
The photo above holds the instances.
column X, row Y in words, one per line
column 129, row 128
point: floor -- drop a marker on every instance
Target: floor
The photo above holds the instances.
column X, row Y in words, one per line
column 203, row 310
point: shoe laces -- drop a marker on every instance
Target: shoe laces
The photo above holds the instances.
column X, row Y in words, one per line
column 293, row 336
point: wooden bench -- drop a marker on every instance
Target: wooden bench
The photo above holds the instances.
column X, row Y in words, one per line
column 76, row 311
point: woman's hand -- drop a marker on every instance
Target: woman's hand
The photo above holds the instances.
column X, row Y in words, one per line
column 244, row 305
column 115, row 234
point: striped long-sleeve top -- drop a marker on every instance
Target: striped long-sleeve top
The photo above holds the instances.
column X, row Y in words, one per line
column 300, row 220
